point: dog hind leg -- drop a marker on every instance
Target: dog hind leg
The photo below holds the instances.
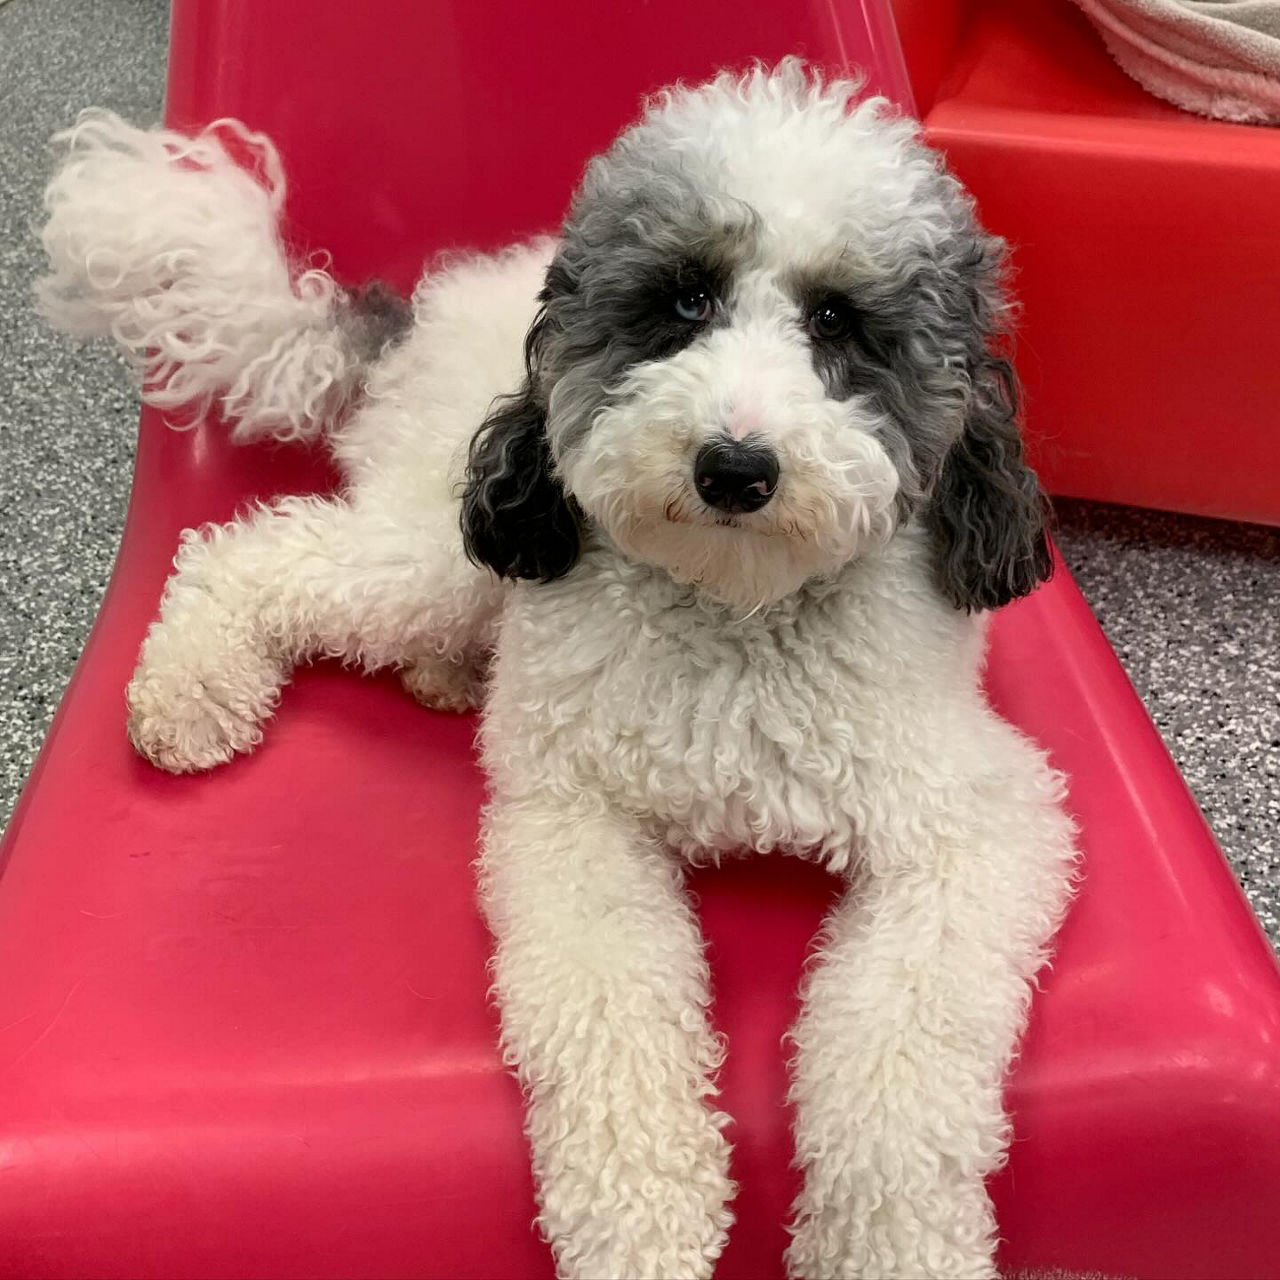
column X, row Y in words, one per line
column 303, row 578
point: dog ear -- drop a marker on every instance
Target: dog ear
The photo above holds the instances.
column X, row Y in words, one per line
column 988, row 513
column 516, row 517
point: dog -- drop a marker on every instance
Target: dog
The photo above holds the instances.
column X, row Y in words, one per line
column 706, row 502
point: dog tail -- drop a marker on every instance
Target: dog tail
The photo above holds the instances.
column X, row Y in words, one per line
column 172, row 246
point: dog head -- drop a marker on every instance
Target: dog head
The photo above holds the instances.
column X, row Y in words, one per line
column 766, row 338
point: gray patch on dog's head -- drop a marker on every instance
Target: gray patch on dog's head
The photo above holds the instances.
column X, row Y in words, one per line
column 921, row 326
column 637, row 235
column 927, row 348
column 641, row 232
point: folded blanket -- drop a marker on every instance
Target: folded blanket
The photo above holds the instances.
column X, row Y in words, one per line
column 1215, row 57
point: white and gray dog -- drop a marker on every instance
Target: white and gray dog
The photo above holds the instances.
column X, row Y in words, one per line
column 704, row 501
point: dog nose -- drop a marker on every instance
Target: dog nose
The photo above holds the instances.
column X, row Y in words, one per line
column 735, row 477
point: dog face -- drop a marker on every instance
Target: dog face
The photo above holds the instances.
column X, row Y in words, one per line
column 764, row 342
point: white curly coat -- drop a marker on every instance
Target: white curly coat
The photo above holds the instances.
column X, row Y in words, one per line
column 631, row 723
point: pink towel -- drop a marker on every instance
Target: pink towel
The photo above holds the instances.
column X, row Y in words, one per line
column 1215, row 57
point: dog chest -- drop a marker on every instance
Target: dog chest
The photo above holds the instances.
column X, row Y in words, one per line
column 723, row 732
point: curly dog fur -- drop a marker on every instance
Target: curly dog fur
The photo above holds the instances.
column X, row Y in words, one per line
column 705, row 501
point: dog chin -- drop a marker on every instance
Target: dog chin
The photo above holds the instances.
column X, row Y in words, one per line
column 736, row 565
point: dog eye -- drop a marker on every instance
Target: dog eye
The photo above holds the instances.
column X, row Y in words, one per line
column 831, row 320
column 693, row 305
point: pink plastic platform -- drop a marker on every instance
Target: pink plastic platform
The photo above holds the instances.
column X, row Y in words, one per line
column 243, row 1025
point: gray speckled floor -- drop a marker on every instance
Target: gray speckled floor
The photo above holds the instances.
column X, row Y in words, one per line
column 1190, row 605
column 68, row 414
column 1193, row 609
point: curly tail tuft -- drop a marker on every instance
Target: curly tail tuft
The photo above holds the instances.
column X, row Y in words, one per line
column 171, row 246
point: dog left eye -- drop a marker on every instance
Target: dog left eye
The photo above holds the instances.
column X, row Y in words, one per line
column 831, row 320
column 693, row 305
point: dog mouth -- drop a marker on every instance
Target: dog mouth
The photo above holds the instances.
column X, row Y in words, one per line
column 678, row 509
column 685, row 509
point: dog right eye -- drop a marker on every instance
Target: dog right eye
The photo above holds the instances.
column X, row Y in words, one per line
column 694, row 305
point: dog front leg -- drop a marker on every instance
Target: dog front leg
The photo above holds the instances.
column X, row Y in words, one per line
column 915, row 1007
column 602, row 986
column 304, row 578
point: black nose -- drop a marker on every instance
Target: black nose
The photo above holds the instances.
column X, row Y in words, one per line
column 735, row 477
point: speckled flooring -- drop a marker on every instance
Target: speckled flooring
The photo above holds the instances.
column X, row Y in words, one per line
column 1193, row 609
column 68, row 414
column 1191, row 605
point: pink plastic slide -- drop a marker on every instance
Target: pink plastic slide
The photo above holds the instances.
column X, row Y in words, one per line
column 243, row 1023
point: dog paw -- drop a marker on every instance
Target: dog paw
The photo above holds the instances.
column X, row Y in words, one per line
column 444, row 685
column 196, row 725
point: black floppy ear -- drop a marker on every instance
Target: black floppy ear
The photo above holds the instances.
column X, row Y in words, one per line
column 988, row 514
column 516, row 517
